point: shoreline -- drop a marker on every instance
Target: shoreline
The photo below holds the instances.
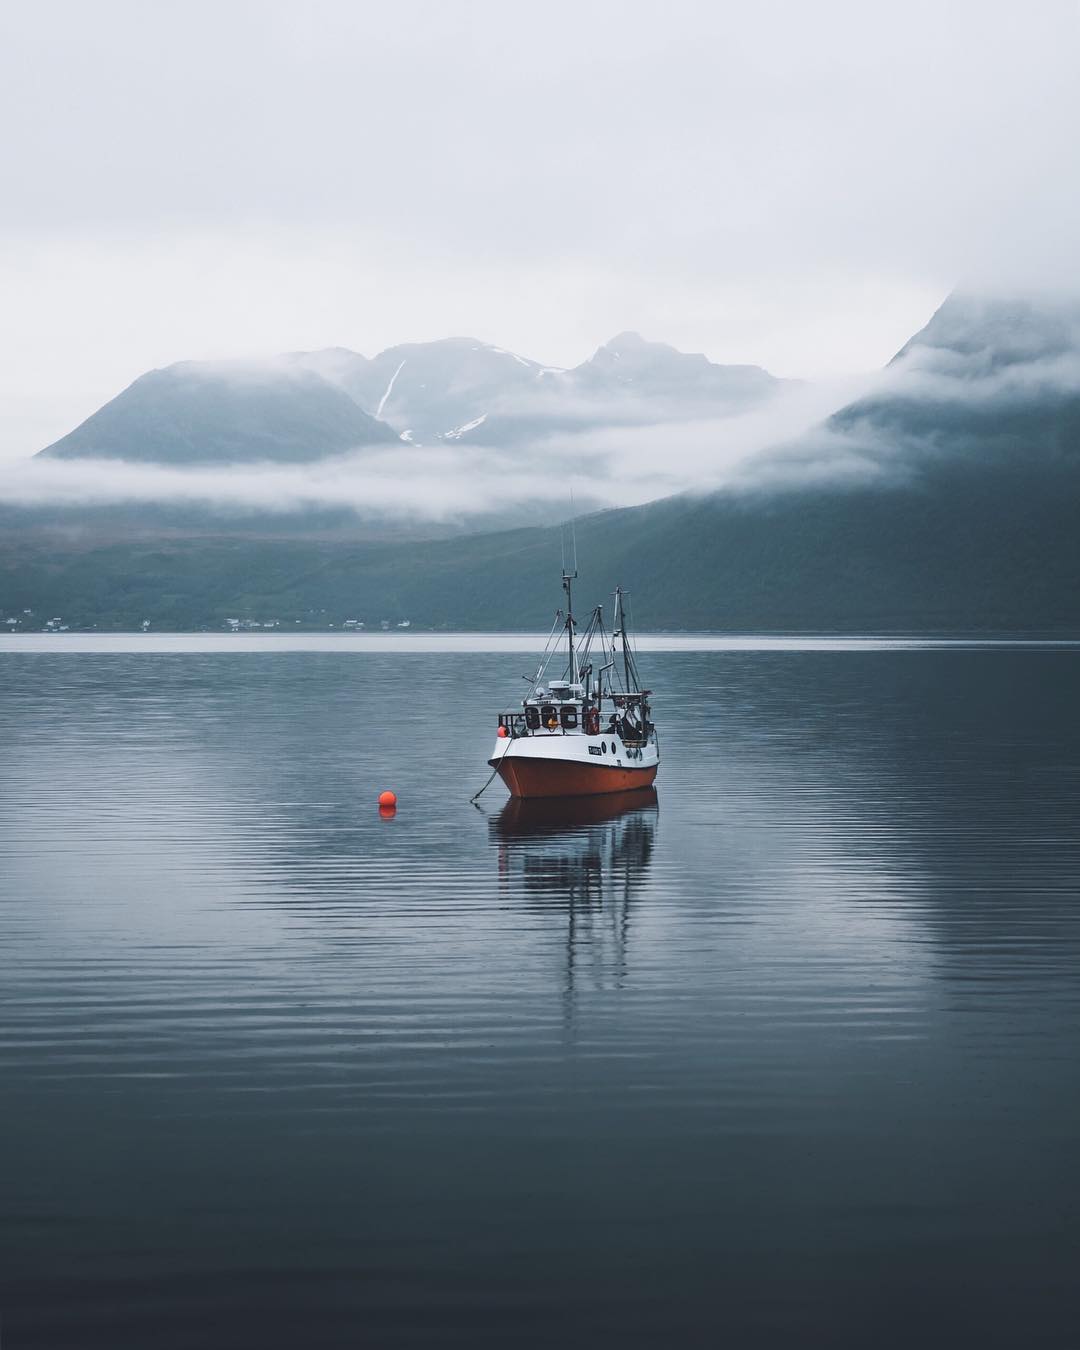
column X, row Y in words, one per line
column 414, row 641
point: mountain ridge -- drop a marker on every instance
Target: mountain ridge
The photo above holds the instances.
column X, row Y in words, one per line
column 197, row 412
column 457, row 389
column 943, row 500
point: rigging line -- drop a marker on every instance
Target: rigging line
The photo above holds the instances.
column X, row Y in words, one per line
column 588, row 634
column 545, row 656
column 629, row 643
column 548, row 654
column 633, row 644
column 600, row 638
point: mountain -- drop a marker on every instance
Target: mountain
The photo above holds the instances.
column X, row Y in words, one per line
column 944, row 501
column 431, row 391
column 309, row 405
column 974, row 335
column 996, row 378
column 630, row 363
column 203, row 412
column 306, row 406
column 627, row 382
column 955, row 555
column 463, row 390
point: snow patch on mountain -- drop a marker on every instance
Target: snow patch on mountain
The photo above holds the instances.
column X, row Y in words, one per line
column 501, row 351
column 458, row 432
column 389, row 388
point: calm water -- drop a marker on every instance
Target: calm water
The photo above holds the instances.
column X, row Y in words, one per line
column 788, row 1055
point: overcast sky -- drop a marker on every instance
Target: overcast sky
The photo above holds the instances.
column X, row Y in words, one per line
column 791, row 184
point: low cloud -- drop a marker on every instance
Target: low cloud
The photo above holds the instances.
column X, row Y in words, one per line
column 973, row 359
column 607, row 466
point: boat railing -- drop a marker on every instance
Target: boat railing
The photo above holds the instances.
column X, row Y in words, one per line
column 566, row 719
column 546, row 719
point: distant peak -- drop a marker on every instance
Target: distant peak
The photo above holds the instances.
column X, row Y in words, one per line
column 627, row 344
column 628, row 339
column 324, row 351
column 631, row 347
column 1001, row 327
column 637, row 348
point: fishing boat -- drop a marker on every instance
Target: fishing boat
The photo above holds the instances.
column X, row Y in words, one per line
column 589, row 731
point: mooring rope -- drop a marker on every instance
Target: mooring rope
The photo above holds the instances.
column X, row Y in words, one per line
column 489, row 782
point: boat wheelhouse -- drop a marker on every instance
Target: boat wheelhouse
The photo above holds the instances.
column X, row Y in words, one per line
column 589, row 731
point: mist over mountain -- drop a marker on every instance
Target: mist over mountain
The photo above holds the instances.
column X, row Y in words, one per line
column 430, row 391
column 996, row 379
column 976, row 335
column 629, row 362
column 628, row 382
column 308, row 406
column 944, row 498
column 199, row 412
column 462, row 390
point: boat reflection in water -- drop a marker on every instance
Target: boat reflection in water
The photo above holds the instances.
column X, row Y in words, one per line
column 586, row 858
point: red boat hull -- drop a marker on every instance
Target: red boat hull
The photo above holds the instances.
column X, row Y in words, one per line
column 563, row 778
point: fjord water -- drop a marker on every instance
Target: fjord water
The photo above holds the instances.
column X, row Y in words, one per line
column 784, row 1056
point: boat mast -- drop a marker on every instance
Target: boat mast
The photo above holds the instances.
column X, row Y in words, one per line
column 567, row 578
column 569, row 574
column 620, row 632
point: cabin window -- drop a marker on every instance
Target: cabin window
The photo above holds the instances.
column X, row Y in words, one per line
column 548, row 715
column 532, row 718
column 569, row 718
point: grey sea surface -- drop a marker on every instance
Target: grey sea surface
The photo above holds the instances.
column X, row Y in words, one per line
column 785, row 1054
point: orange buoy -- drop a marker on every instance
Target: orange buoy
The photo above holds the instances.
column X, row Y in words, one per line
column 503, row 731
column 388, row 798
column 387, row 812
